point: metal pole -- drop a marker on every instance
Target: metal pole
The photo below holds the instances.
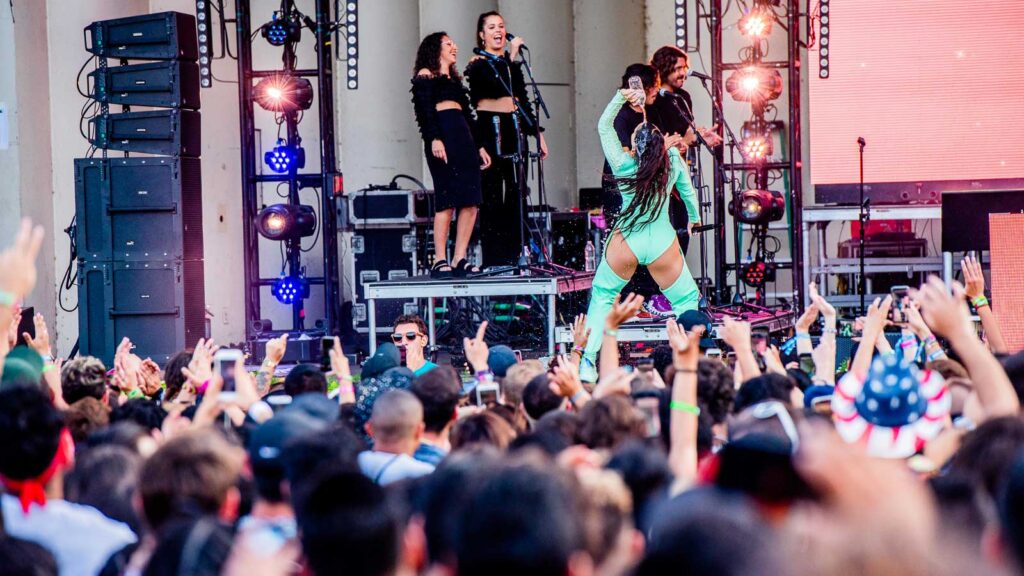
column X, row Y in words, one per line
column 328, row 166
column 247, row 149
column 795, row 156
column 719, row 184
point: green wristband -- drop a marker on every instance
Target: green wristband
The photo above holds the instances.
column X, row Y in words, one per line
column 611, row 332
column 7, row 299
column 980, row 302
column 684, row 407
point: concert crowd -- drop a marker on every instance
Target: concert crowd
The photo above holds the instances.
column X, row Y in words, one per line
column 904, row 460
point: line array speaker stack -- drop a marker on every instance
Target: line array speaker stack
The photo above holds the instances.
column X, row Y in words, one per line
column 139, row 219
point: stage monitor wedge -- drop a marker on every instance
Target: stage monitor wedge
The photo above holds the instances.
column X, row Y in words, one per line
column 166, row 132
column 159, row 84
column 161, row 36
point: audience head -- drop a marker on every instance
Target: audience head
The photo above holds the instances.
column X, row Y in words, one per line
column 105, row 478
column 190, row 476
column 174, row 380
column 397, row 422
column 438, row 391
column 538, row 535
column 267, row 447
column 348, row 526
column 538, row 399
column 610, row 421
column 762, row 389
column 83, row 377
column 499, row 359
column 85, row 417
column 482, row 429
column 142, row 411
column 305, row 379
column 23, row 366
column 988, row 452
column 35, row 446
column 24, row 558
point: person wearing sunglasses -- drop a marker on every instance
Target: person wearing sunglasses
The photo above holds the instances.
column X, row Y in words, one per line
column 410, row 336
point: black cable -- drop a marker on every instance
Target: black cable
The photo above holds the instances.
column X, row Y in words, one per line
column 69, row 279
column 317, row 229
column 78, row 77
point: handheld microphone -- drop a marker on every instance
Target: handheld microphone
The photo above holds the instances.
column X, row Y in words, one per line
column 497, row 135
column 485, row 54
column 700, row 75
column 510, row 37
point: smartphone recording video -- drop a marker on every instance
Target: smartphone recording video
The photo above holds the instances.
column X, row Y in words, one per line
column 650, row 407
column 224, row 363
column 326, row 345
column 487, row 394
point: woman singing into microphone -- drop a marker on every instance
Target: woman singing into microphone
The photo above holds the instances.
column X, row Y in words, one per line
column 453, row 155
column 496, row 85
column 646, row 174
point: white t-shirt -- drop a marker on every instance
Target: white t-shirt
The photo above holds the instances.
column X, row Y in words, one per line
column 80, row 537
column 385, row 467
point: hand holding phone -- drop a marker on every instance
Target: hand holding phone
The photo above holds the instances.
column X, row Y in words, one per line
column 326, row 345
column 224, row 364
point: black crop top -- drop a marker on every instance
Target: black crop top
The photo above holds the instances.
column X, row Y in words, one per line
column 483, row 84
column 427, row 92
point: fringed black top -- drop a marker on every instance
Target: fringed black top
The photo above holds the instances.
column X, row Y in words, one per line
column 427, row 92
column 485, row 84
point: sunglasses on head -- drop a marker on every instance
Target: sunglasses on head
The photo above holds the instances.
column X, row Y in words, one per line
column 406, row 336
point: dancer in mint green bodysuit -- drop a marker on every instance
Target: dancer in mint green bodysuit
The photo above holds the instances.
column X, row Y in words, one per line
column 645, row 175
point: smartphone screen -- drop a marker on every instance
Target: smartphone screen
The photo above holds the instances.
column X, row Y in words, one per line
column 759, row 342
column 635, row 83
column 326, row 345
column 487, row 394
column 713, row 353
column 645, row 364
column 27, row 324
column 807, row 364
column 224, row 362
column 519, row 355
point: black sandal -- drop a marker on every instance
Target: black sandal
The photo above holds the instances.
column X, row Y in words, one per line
column 437, row 272
column 464, row 268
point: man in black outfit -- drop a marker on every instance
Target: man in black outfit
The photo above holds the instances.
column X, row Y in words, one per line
column 666, row 116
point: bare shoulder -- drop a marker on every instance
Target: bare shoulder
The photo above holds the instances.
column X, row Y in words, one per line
column 424, row 73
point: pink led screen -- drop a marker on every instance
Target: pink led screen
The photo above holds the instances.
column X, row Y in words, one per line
column 936, row 87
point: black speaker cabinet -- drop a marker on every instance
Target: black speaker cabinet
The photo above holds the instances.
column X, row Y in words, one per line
column 166, row 132
column 161, row 36
column 159, row 304
column 139, row 208
column 382, row 254
column 965, row 215
column 171, row 84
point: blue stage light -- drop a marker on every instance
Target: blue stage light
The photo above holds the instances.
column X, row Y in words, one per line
column 283, row 157
column 279, row 30
column 288, row 289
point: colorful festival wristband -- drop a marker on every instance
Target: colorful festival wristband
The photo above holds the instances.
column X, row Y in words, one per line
column 980, row 302
column 684, row 407
column 7, row 298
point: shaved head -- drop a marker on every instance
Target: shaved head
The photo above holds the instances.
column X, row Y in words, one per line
column 397, row 415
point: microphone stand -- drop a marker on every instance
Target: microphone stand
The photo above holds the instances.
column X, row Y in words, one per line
column 863, row 217
column 518, row 159
column 544, row 263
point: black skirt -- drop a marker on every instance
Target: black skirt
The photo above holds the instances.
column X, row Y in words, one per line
column 456, row 182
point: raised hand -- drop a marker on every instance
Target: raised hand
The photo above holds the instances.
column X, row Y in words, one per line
column 877, row 318
column 806, row 320
column 736, row 333
column 580, row 332
column 149, row 377
column 827, row 310
column 200, row 369
column 565, row 379
column 18, row 262
column 685, row 346
column 41, row 342
column 946, row 314
column 974, row 278
column 617, row 382
column 476, row 349
column 773, row 360
column 623, row 310
column 276, row 348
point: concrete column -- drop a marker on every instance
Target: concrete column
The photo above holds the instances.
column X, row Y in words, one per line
column 546, row 25
column 376, row 127
column 457, row 18
column 609, row 35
